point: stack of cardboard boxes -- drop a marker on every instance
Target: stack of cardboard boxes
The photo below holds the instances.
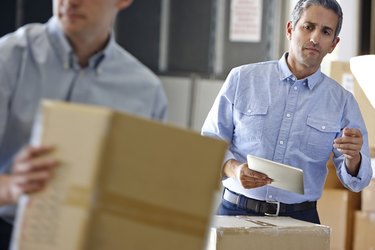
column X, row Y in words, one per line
column 339, row 208
column 336, row 208
column 364, row 228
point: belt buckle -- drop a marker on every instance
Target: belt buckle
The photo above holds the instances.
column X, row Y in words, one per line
column 277, row 208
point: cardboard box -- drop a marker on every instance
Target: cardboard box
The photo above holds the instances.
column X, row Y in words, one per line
column 266, row 233
column 125, row 183
column 368, row 198
column 340, row 71
column 364, row 231
column 332, row 181
column 336, row 209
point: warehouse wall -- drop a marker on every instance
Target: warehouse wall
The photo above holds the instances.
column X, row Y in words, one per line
column 190, row 40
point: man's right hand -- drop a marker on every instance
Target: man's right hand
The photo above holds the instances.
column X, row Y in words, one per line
column 31, row 170
column 247, row 177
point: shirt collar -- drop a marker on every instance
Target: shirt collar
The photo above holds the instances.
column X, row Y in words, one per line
column 65, row 52
column 285, row 73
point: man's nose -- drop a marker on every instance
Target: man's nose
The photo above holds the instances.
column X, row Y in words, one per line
column 315, row 38
column 72, row 2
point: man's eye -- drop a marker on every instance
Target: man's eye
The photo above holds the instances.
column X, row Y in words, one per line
column 307, row 27
column 326, row 32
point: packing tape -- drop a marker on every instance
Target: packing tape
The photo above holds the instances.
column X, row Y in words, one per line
column 78, row 196
column 150, row 214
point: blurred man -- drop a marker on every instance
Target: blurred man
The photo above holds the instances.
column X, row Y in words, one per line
column 73, row 57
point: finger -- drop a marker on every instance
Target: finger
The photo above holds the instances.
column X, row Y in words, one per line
column 254, row 183
column 30, row 152
column 261, row 181
column 255, row 174
column 349, row 153
column 348, row 156
column 255, row 179
column 32, row 187
column 250, row 182
column 41, row 176
column 346, row 139
column 348, row 146
column 352, row 132
column 34, row 165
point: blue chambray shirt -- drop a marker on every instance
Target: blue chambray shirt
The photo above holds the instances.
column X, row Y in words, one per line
column 263, row 110
column 37, row 62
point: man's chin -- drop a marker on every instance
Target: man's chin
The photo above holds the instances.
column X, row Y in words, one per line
column 311, row 59
column 70, row 27
column 312, row 63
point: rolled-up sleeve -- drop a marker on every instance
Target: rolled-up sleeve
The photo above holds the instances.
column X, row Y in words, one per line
column 353, row 119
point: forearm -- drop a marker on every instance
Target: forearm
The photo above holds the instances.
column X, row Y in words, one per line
column 230, row 168
column 352, row 165
column 5, row 197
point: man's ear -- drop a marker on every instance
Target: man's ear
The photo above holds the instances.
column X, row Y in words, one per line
column 289, row 30
column 123, row 4
column 334, row 43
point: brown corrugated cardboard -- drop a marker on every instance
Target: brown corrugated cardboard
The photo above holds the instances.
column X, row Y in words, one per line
column 332, row 181
column 368, row 198
column 125, row 183
column 364, row 231
column 336, row 209
column 266, row 233
column 338, row 70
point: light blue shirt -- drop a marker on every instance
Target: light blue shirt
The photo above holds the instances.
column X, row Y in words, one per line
column 37, row 62
column 263, row 110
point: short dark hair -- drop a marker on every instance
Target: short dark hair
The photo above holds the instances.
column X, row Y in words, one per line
column 302, row 5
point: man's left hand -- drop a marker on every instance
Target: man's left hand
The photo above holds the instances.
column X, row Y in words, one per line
column 350, row 145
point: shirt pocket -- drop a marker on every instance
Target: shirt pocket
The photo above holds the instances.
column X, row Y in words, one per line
column 320, row 136
column 249, row 122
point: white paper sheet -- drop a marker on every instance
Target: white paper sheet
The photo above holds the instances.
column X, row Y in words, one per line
column 284, row 176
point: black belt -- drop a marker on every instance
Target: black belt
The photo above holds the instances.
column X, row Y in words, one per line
column 271, row 208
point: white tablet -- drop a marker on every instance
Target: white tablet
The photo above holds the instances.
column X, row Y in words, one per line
column 284, row 176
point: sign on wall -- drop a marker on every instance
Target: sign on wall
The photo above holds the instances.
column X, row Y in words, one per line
column 245, row 21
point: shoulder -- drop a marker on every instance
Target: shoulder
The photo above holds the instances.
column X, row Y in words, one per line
column 249, row 79
column 334, row 87
column 254, row 72
column 12, row 44
column 255, row 69
column 131, row 66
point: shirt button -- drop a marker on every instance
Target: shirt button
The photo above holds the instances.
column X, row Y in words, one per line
column 281, row 142
column 323, row 127
column 288, row 115
column 295, row 88
column 270, row 196
column 249, row 111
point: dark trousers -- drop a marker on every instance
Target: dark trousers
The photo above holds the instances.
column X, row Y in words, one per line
column 5, row 234
column 227, row 208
